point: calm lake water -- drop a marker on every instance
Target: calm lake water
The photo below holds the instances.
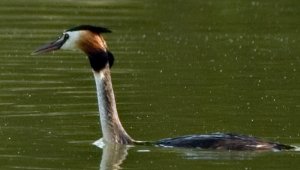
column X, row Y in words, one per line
column 182, row 67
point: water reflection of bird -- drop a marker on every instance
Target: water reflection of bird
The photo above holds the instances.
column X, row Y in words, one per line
column 91, row 42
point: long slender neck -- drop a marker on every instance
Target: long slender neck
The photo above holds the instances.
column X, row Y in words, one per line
column 112, row 129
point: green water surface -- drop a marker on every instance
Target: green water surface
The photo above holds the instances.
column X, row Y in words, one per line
column 182, row 67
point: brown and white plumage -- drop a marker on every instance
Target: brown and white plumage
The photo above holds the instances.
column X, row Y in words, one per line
column 91, row 42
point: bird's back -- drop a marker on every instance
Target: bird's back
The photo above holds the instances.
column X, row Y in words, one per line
column 226, row 141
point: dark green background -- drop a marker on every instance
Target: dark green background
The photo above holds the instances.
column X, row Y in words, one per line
column 182, row 67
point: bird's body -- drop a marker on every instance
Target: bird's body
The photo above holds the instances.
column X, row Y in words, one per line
column 90, row 41
column 225, row 141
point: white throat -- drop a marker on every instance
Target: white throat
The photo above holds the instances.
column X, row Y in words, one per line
column 102, row 104
column 112, row 129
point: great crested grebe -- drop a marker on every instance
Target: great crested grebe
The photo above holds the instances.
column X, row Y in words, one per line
column 89, row 39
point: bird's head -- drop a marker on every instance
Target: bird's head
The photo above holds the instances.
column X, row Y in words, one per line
column 86, row 38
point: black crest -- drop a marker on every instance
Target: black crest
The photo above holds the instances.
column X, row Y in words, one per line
column 90, row 28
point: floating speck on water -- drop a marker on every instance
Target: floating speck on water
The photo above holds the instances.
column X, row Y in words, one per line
column 143, row 150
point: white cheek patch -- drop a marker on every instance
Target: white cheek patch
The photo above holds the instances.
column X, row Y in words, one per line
column 72, row 41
